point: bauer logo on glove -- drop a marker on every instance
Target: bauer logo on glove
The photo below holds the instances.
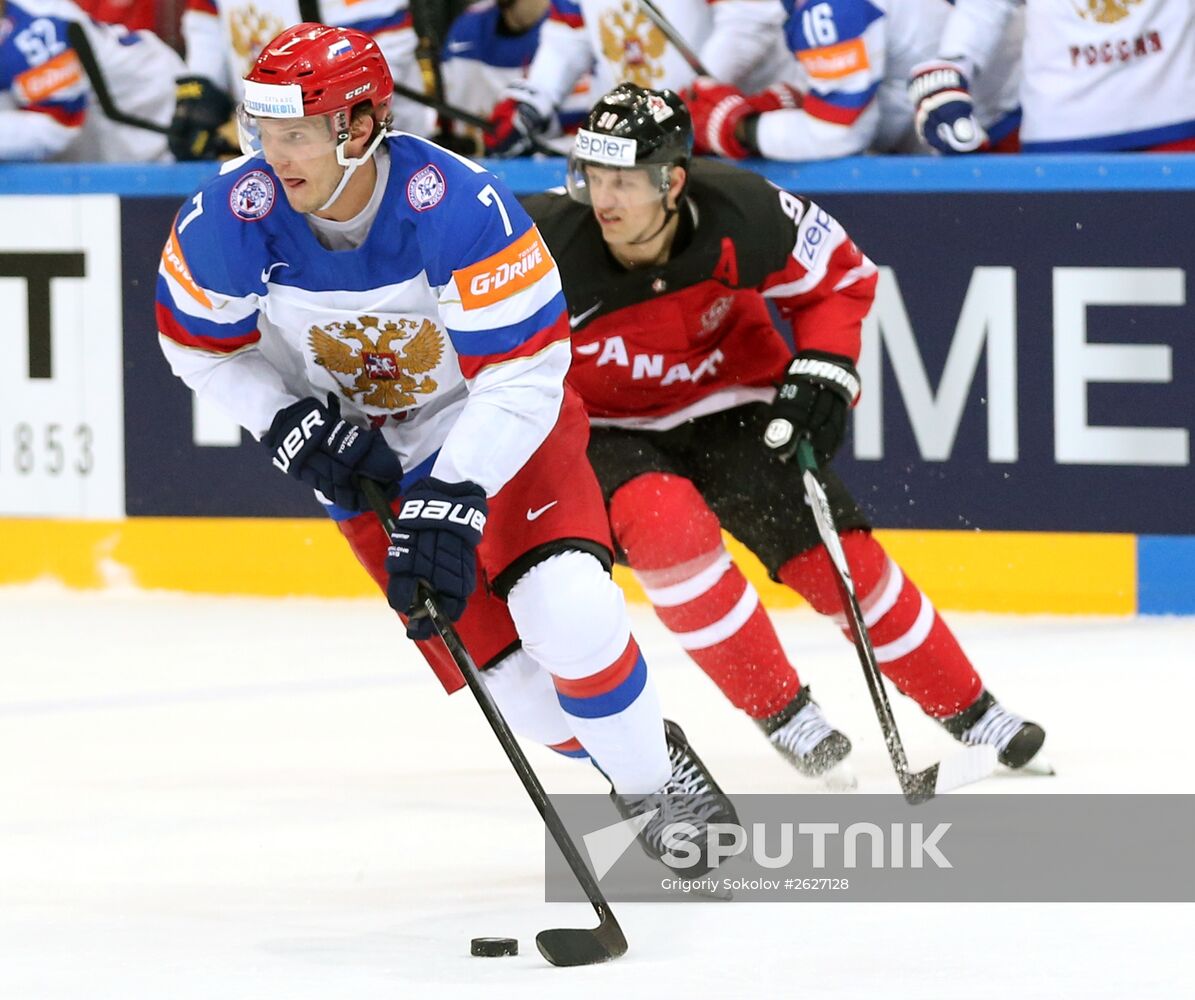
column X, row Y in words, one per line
column 444, row 510
column 297, row 436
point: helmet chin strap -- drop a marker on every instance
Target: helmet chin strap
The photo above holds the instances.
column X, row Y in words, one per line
column 668, row 214
column 350, row 165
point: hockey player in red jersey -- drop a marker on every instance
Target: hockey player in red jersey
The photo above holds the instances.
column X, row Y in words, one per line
column 367, row 304
column 666, row 265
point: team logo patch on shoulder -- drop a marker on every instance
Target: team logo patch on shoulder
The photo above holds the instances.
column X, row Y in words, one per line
column 252, row 197
column 426, row 188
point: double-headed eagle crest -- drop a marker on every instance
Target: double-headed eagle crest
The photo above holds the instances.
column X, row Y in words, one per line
column 250, row 29
column 381, row 375
column 1106, row 11
column 633, row 44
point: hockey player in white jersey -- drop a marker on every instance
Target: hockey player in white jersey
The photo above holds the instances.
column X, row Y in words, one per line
column 739, row 41
column 367, row 303
column 844, row 90
column 489, row 46
column 47, row 108
column 1099, row 75
column 224, row 37
column 487, row 50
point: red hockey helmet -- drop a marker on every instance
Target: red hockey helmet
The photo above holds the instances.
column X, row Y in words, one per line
column 315, row 70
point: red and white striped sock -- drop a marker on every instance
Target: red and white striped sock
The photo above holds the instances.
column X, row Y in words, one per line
column 673, row 542
column 914, row 647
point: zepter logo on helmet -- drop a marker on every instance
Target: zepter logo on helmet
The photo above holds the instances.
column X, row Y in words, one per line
column 303, row 88
column 632, row 128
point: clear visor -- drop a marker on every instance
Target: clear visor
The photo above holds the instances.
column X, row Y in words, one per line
column 616, row 187
column 283, row 140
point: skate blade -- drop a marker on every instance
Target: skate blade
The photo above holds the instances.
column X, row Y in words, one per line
column 1038, row 766
column 839, row 779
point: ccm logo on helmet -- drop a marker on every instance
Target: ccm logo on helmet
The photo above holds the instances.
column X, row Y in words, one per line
column 356, row 92
column 510, row 270
column 443, row 510
column 604, row 148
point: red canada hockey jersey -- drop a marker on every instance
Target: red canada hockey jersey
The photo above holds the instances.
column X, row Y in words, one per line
column 654, row 347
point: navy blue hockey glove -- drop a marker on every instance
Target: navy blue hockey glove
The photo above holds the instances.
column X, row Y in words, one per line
column 812, row 401
column 434, row 543
column 945, row 111
column 314, row 444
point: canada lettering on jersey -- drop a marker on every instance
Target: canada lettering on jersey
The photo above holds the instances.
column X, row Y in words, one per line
column 651, row 366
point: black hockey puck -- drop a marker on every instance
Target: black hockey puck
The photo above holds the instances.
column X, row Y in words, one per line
column 493, row 947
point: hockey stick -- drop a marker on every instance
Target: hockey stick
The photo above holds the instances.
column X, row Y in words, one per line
column 562, row 945
column 969, row 765
column 656, row 16
column 78, row 40
column 309, row 11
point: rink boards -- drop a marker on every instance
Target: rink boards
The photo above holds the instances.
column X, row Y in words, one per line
column 1023, row 441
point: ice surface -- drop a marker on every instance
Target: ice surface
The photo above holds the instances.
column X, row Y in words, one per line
column 219, row 798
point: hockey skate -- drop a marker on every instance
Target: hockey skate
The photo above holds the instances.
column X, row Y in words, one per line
column 988, row 722
column 689, row 796
column 806, row 740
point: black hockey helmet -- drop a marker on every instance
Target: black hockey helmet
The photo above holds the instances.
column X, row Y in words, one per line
column 632, row 127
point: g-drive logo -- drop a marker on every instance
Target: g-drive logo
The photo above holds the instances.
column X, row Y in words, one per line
column 778, row 845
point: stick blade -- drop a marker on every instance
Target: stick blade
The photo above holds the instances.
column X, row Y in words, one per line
column 569, row 946
column 973, row 764
column 967, row 766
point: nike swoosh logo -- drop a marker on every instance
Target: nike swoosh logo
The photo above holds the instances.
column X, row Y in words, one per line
column 533, row 514
column 576, row 321
column 266, row 271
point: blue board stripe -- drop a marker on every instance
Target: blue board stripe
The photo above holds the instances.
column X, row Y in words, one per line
column 1166, row 574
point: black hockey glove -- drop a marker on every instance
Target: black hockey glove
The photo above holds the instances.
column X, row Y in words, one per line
column 813, row 400
column 314, row 444
column 200, row 109
column 434, row 543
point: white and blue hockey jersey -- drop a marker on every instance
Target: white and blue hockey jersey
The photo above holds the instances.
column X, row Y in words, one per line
column 851, row 59
column 480, row 60
column 224, row 38
column 445, row 327
column 47, row 109
column 1100, row 75
column 737, row 41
